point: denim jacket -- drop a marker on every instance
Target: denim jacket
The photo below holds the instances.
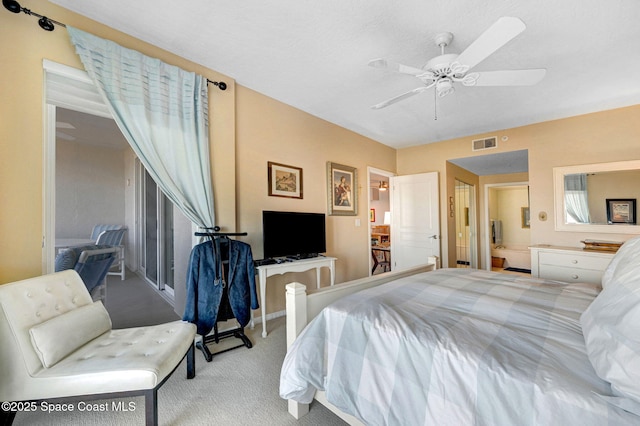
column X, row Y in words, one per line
column 205, row 283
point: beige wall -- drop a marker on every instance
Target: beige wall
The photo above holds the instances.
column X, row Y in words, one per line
column 505, row 204
column 593, row 138
column 268, row 130
column 89, row 187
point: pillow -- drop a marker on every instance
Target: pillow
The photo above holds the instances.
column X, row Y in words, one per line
column 56, row 338
column 628, row 256
column 611, row 329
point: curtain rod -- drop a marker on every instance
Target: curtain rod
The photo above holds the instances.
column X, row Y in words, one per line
column 47, row 24
column 44, row 22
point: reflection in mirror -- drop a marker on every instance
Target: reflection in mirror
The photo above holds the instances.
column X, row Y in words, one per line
column 582, row 193
column 586, row 194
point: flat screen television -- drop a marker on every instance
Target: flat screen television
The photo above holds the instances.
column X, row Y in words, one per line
column 292, row 234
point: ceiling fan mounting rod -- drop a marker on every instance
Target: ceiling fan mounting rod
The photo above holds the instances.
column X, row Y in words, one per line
column 442, row 40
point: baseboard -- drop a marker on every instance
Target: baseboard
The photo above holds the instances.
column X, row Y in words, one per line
column 273, row 315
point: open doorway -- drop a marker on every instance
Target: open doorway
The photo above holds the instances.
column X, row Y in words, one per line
column 494, row 170
column 509, row 227
column 93, row 177
column 379, row 220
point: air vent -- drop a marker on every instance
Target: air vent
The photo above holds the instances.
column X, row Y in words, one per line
column 488, row 143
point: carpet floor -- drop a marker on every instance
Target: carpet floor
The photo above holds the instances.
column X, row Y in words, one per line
column 238, row 387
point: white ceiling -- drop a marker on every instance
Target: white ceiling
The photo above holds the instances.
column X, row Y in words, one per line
column 314, row 55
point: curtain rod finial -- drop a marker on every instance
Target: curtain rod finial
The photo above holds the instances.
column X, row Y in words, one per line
column 12, row 6
column 221, row 84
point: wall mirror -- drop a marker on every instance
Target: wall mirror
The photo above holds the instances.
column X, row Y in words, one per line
column 582, row 194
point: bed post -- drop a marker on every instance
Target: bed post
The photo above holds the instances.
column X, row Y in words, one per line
column 435, row 261
column 296, row 299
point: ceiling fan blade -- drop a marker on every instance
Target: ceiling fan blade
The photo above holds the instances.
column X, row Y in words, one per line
column 496, row 36
column 394, row 66
column 402, row 97
column 510, row 77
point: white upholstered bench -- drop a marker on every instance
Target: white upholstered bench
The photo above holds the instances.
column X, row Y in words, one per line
column 57, row 344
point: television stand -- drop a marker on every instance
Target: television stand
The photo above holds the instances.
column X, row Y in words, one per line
column 302, row 265
column 303, row 256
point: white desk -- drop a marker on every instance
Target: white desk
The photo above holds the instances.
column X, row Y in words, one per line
column 302, row 265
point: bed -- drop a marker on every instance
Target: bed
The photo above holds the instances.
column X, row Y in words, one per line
column 465, row 346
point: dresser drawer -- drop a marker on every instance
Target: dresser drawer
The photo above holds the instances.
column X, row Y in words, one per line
column 571, row 275
column 578, row 261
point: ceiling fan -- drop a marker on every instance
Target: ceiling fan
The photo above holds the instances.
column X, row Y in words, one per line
column 443, row 71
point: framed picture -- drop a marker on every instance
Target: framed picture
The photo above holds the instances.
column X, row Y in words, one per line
column 621, row 210
column 284, row 181
column 526, row 217
column 372, row 215
column 342, row 185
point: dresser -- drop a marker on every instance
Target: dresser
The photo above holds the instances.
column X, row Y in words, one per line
column 569, row 264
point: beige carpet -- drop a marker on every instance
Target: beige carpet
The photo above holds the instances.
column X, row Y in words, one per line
column 239, row 387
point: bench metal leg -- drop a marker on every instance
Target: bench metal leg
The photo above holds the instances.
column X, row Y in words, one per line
column 6, row 417
column 151, row 407
column 191, row 362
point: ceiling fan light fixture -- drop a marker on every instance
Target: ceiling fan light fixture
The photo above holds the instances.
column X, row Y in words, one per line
column 383, row 186
column 458, row 70
column 470, row 79
column 444, row 87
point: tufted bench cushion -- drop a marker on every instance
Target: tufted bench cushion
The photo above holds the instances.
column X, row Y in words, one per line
column 119, row 360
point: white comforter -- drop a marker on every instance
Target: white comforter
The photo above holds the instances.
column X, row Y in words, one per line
column 454, row 347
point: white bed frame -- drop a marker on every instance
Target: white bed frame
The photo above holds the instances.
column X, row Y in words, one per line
column 303, row 306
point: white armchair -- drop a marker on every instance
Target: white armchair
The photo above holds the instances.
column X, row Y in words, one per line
column 56, row 344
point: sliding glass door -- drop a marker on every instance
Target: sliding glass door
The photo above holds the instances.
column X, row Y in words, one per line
column 156, row 229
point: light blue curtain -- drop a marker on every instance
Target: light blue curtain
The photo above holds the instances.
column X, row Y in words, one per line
column 576, row 198
column 162, row 111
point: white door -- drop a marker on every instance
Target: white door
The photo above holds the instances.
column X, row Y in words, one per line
column 415, row 220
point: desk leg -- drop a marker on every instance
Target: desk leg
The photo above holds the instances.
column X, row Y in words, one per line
column 262, row 276
column 318, row 277
column 332, row 269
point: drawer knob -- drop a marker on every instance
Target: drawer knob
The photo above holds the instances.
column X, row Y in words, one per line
column 574, row 276
column 574, row 261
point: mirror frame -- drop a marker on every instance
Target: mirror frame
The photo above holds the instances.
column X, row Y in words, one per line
column 558, row 192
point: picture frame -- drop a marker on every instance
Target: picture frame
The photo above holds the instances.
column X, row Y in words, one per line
column 525, row 217
column 621, row 211
column 372, row 215
column 284, row 181
column 342, row 194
